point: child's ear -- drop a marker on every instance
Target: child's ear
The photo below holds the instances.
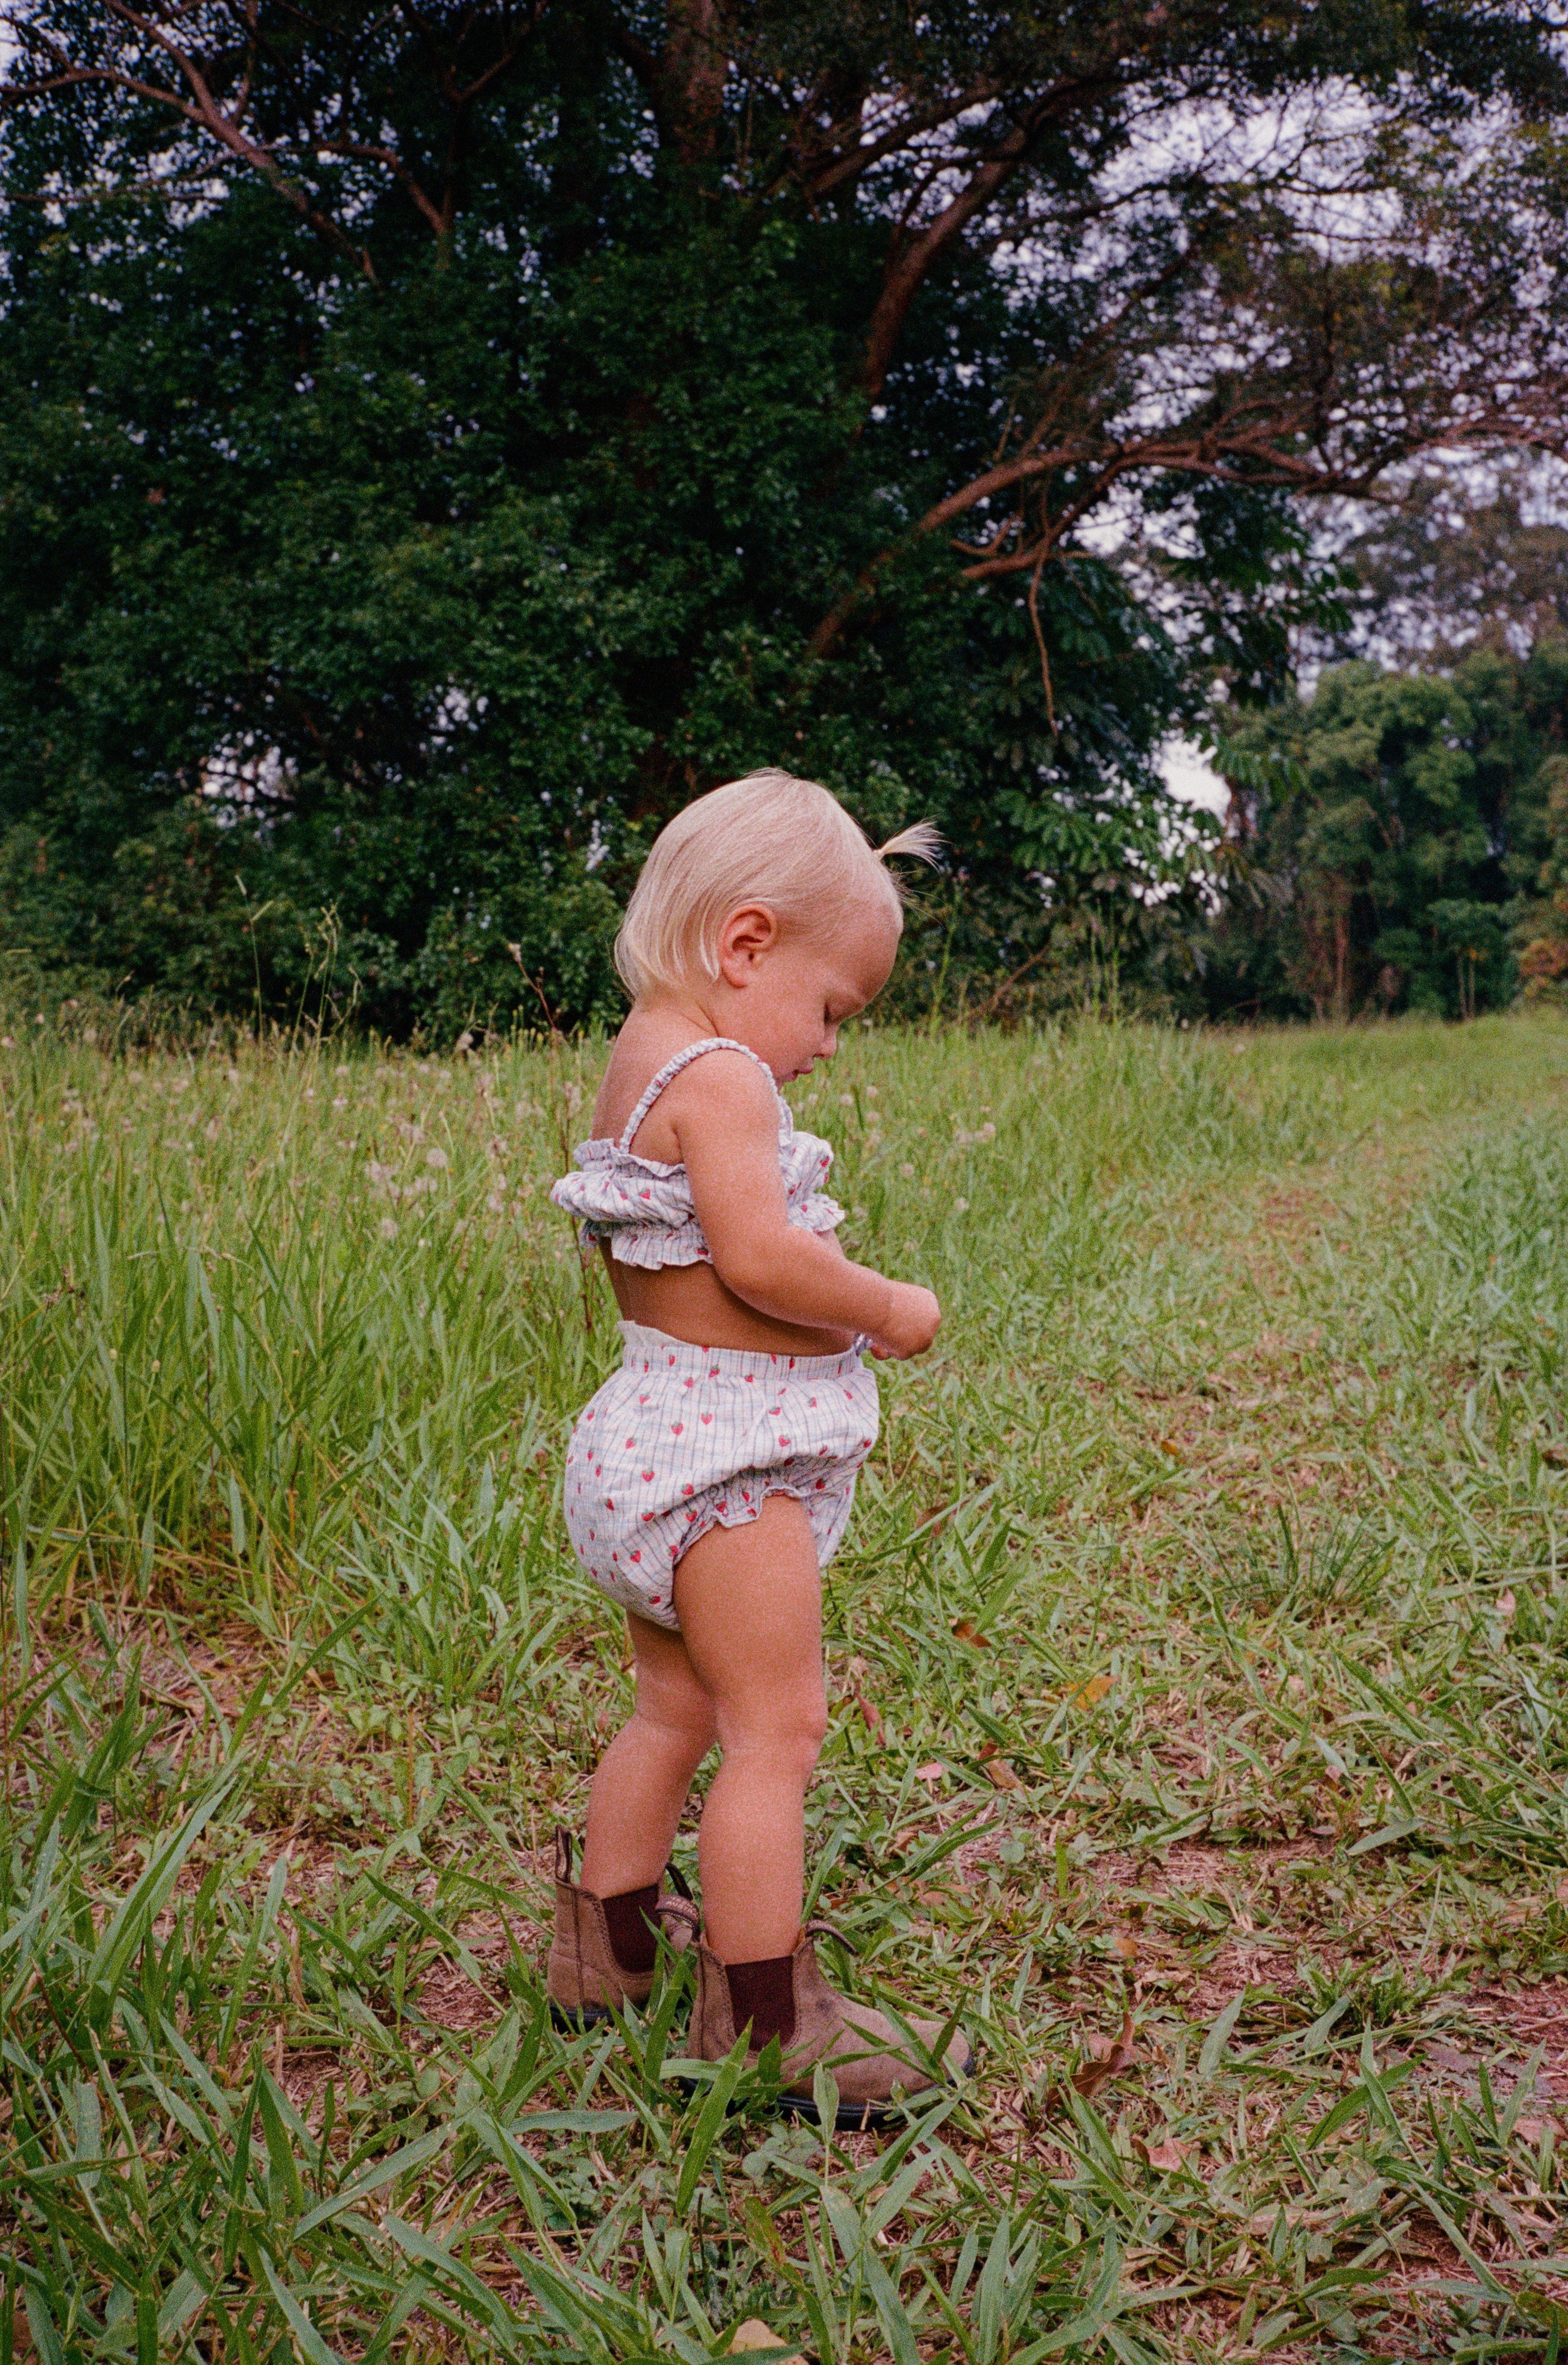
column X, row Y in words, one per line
column 746, row 935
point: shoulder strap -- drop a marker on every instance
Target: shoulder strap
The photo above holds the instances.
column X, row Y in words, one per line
column 672, row 1068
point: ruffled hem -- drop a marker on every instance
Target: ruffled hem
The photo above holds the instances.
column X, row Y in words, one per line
column 650, row 1248
column 745, row 1515
column 643, row 1207
column 661, row 1611
column 652, row 1245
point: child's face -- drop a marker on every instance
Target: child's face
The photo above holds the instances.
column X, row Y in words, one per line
column 797, row 989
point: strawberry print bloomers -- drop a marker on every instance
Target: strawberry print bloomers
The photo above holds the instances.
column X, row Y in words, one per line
column 682, row 1436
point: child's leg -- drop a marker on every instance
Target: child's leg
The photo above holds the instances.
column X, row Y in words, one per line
column 750, row 1606
column 643, row 1779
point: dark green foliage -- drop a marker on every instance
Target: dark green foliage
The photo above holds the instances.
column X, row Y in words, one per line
column 463, row 440
column 1392, row 822
column 444, row 628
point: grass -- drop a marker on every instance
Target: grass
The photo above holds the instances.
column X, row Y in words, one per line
column 1199, row 1723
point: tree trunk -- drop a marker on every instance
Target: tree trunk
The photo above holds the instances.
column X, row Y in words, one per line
column 692, row 75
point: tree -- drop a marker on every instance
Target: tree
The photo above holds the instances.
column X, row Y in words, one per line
column 437, row 440
column 1538, row 856
column 1470, row 553
column 1395, row 818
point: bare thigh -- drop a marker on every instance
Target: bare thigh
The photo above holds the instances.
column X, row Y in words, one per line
column 749, row 1601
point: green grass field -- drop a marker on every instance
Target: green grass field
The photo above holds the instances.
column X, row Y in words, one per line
column 1198, row 1718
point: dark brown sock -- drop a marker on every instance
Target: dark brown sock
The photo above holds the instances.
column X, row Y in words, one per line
column 629, row 1919
column 763, row 1993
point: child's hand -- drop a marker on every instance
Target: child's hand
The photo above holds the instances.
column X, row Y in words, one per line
column 910, row 1324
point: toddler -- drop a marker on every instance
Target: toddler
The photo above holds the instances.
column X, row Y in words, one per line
column 712, row 1475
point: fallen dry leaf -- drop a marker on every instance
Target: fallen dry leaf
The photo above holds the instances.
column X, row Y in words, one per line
column 966, row 1630
column 1507, row 1606
column 1166, row 2155
column 1000, row 1775
column 754, row 2333
column 1091, row 1693
column 1124, row 1944
column 872, row 1714
column 1106, row 2060
column 930, row 1773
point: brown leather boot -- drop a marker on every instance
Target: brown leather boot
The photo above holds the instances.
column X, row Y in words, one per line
column 604, row 1950
column 873, row 2063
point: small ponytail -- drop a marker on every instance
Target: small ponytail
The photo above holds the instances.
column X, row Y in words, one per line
column 922, row 841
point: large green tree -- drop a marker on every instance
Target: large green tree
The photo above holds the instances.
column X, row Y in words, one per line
column 1401, row 833
column 436, row 440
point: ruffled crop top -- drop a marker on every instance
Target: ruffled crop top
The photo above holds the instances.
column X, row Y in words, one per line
column 643, row 1205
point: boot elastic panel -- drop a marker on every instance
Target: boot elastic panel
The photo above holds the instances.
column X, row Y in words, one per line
column 627, row 1920
column 764, row 1994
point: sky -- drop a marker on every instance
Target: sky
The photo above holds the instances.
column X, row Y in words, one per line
column 1190, row 778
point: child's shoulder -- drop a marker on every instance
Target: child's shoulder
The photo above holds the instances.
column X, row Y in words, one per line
column 646, row 1045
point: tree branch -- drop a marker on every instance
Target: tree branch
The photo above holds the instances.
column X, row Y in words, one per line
column 164, row 30
column 1247, row 452
column 849, row 164
column 201, row 110
column 914, row 257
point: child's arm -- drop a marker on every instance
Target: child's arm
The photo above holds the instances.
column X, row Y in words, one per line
column 727, row 1127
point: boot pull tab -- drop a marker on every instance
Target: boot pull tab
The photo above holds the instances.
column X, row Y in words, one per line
column 562, row 1854
column 820, row 1929
column 676, row 1909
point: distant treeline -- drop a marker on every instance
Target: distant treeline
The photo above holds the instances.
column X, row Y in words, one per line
column 1396, row 842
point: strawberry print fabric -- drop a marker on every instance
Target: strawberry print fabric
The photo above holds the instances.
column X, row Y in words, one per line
column 643, row 1205
column 683, row 1437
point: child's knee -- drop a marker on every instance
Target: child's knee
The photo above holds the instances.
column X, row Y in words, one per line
column 787, row 1733
column 812, row 1728
column 684, row 1726
column 803, row 1741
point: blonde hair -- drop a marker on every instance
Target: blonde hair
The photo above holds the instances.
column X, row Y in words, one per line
column 768, row 838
